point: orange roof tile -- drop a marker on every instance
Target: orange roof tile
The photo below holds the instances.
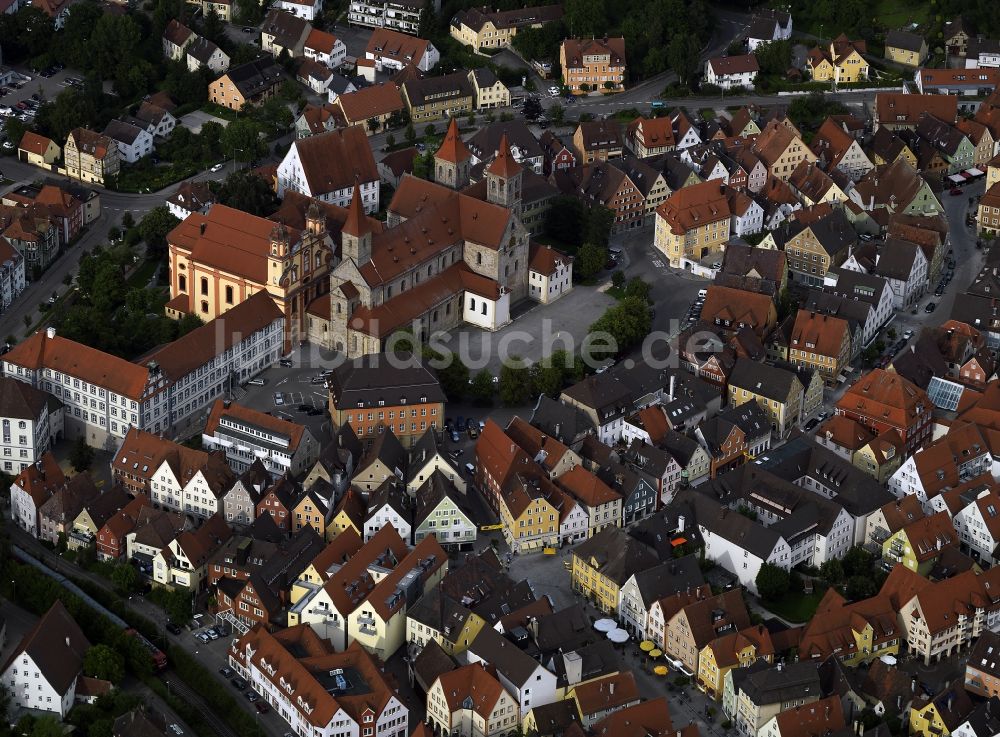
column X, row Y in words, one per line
column 453, row 148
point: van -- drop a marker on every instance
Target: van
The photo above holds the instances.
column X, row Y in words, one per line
column 615, row 252
column 256, row 382
column 658, row 105
column 702, row 293
column 470, row 469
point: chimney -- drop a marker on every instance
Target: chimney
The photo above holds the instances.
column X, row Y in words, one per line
column 611, row 692
column 673, row 380
column 201, row 228
column 50, row 332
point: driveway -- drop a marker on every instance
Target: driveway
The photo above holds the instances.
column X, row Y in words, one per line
column 195, row 120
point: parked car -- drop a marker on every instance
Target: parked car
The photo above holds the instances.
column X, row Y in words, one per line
column 262, row 707
column 931, row 306
column 811, row 424
column 955, row 191
column 252, row 696
column 907, row 334
column 286, row 362
column 473, row 433
column 257, row 382
column 455, row 436
column 239, row 682
column 217, row 167
column 173, row 628
column 227, row 672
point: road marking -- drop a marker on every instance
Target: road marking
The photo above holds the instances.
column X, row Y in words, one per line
column 657, row 263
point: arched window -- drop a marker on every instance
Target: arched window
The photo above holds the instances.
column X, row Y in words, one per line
column 182, row 283
column 204, row 307
column 229, row 295
column 204, row 286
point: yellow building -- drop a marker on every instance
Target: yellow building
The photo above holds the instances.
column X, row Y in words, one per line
column 316, row 573
column 918, row 545
column 472, row 701
column 439, row 618
column 939, row 716
column 856, row 633
column 778, row 391
column 91, row 157
column 822, row 343
column 434, row 98
column 38, row 150
column 489, row 91
column 842, row 63
column 692, row 223
column 482, row 28
column 312, row 510
column 529, row 514
column 734, row 650
column 993, row 171
column 602, row 565
column 349, row 515
column 905, row 48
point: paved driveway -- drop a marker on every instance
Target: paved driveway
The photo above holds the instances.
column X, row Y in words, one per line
column 195, row 120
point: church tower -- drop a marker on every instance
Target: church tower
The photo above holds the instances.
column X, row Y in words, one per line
column 280, row 247
column 356, row 235
column 503, row 179
column 453, row 160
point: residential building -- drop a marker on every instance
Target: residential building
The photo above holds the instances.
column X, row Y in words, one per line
column 247, row 84
column 328, row 166
column 781, row 150
column 44, row 670
column 489, row 91
column 904, row 266
column 176, row 37
column 432, row 98
column 593, row 64
column 302, row 690
column 397, row 15
column 842, row 63
column 203, row 54
column 900, row 111
column 960, row 82
column 248, row 436
column 527, row 680
column 649, row 137
column 441, row 510
column 982, row 670
column 768, row 25
column 183, row 563
column 56, row 517
column 599, row 698
column 883, row 401
column 731, row 650
column 38, row 150
column 766, row 693
column 692, row 223
column 597, row 140
column 607, row 185
column 977, row 526
column 699, row 622
column 324, row 48
column 485, row 28
column 601, row 503
column 821, row 343
column 393, row 51
column 779, row 392
column 132, row 141
column 31, row 422
column 903, row 47
column 897, row 188
column 605, row 563
column 822, row 717
column 307, row 9
column 91, row 157
column 732, row 72
column 283, row 32
column 644, row 588
column 472, row 699
column 190, row 198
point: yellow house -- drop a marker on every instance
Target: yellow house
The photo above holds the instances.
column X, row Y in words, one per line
column 781, row 150
column 602, row 565
column 529, row 514
column 842, row 63
column 881, row 456
column 734, row 650
column 349, row 515
column 317, row 572
column 489, row 90
column 483, row 28
column 440, row 618
column 379, row 623
column 312, row 510
column 38, row 150
column 821, row 343
column 993, row 171
column 939, row 716
column 692, row 223
column 778, row 391
column 918, row 545
column 856, row 633
column 905, row 48
column 471, row 700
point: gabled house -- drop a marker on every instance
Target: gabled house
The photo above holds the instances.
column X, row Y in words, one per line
column 441, row 510
column 183, row 563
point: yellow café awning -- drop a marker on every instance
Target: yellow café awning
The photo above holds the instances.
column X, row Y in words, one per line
column 656, row 653
column 646, row 646
column 660, row 670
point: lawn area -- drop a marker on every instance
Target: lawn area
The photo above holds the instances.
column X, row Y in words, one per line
column 707, row 113
column 796, row 607
column 145, row 177
column 899, row 13
column 143, row 274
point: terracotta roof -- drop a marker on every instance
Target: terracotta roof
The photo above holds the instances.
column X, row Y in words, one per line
column 300, row 657
column 56, row 645
column 647, row 719
column 606, row 693
column 400, row 47
column 708, row 616
column 817, row 719
column 229, row 240
column 928, row 535
column 453, row 148
column 352, row 583
column 598, row 135
column 201, row 345
column 498, row 455
column 831, row 629
column 652, row 132
column 141, row 454
column 773, row 141
column 369, row 102
column 737, row 306
column 692, row 207
column 955, row 78
column 844, row 432
column 292, row 430
column 741, row 64
column 822, row 334
column 20, row 400
column 882, row 394
column 545, row 259
column 471, row 685
column 80, row 361
column 728, row 648
column 34, row 143
column 504, row 164
column 321, row 41
column 177, row 33
column 476, row 18
column 90, row 142
column 587, row 488
column 336, row 160
column 577, row 48
column 546, row 451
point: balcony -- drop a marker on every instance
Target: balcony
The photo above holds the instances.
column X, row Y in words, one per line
column 367, row 631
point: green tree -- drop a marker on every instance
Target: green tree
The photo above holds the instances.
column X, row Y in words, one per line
column 557, row 113
column 515, row 382
column 154, row 227
column 14, row 129
column 390, row 141
column 212, row 27
column 248, row 192
column 564, row 219
column 585, row 17
column 429, row 130
column 454, row 377
column 71, row 109
column 82, row 455
column 482, row 388
column 627, row 323
column 637, row 289
column 774, row 58
column 410, row 134
column 857, row 562
column 46, row 726
column 36, row 30
column 772, row 582
column 590, row 260
column 242, row 141
column 618, row 279
column 683, row 56
column 832, row 571
column 600, row 220
column 374, row 125
column 861, row 587
column 113, row 38
column 125, row 577
column 102, row 662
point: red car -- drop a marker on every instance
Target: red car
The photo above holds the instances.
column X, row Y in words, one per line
column 262, row 707
column 955, row 191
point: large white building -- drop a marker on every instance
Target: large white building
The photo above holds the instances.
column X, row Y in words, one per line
column 105, row 395
column 30, row 421
column 328, row 165
column 42, row 673
column 12, row 278
column 305, row 690
column 247, row 435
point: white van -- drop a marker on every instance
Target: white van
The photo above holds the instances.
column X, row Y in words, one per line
column 702, row 293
